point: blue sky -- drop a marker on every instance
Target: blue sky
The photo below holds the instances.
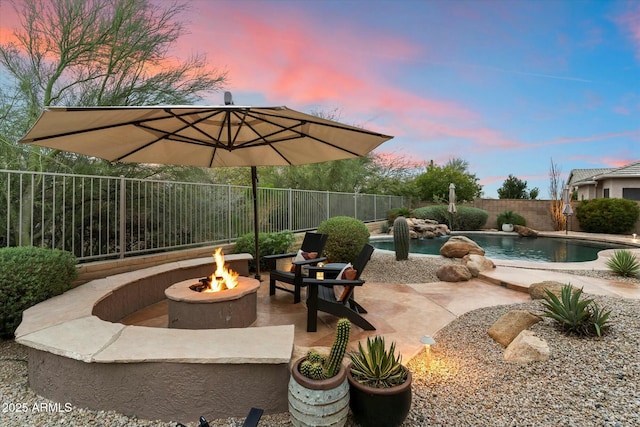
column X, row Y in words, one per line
column 506, row 85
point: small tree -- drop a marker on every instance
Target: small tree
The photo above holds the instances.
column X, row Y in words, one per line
column 433, row 185
column 514, row 188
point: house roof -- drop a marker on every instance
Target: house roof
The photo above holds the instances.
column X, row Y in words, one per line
column 578, row 176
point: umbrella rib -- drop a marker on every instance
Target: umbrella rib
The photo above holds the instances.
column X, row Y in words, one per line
column 283, row 129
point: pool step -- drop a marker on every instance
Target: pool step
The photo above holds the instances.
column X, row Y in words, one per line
column 502, row 282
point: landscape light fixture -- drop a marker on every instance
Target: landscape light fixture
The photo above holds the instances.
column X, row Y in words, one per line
column 428, row 341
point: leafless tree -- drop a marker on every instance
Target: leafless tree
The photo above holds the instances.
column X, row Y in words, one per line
column 556, row 184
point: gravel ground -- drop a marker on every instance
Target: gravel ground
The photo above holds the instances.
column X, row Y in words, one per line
column 587, row 381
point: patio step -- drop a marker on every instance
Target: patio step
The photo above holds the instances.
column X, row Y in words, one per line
column 501, row 281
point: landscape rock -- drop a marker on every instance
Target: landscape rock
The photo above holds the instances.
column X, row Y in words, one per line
column 536, row 290
column 477, row 264
column 426, row 228
column 527, row 347
column 525, row 231
column 510, row 324
column 453, row 273
column 459, row 246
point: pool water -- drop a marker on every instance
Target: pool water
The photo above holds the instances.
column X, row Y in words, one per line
column 547, row 249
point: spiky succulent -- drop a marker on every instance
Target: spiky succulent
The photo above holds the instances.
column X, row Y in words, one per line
column 575, row 315
column 624, row 263
column 377, row 367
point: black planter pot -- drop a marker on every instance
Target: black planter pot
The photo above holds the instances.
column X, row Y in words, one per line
column 379, row 407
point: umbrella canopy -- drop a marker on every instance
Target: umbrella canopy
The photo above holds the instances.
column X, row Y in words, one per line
column 200, row 136
column 216, row 136
column 566, row 202
column 452, row 203
column 567, row 211
column 452, row 198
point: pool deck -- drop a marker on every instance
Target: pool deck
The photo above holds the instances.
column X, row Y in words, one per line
column 405, row 312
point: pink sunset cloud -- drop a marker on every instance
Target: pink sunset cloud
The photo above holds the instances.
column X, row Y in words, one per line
column 630, row 24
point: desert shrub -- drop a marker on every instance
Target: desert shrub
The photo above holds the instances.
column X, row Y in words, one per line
column 346, row 238
column 510, row 217
column 624, row 263
column 612, row 216
column 269, row 244
column 436, row 213
column 30, row 275
column 467, row 218
column 396, row 212
column 575, row 315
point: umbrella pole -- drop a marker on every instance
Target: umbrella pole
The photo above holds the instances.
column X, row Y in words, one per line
column 256, row 231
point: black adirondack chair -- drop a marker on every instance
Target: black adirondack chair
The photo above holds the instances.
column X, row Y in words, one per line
column 321, row 295
column 312, row 242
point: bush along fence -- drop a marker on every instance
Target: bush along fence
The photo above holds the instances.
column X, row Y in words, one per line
column 102, row 217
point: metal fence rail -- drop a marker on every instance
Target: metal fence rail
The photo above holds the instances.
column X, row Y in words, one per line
column 102, row 217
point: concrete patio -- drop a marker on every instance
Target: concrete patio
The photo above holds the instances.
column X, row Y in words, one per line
column 405, row 312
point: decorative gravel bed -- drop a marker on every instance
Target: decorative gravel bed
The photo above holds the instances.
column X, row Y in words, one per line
column 586, row 382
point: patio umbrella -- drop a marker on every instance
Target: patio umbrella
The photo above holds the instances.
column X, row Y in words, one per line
column 452, row 203
column 206, row 136
column 566, row 207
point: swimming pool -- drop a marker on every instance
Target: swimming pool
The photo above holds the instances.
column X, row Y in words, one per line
column 546, row 249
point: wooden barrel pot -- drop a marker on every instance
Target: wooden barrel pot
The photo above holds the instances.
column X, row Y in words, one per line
column 379, row 407
column 318, row 402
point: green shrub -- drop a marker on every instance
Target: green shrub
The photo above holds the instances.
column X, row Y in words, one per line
column 510, row 217
column 396, row 212
column 28, row 276
column 580, row 317
column 613, row 216
column 269, row 244
column 624, row 263
column 346, row 238
column 467, row 218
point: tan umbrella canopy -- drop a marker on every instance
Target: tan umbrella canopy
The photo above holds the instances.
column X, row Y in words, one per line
column 215, row 136
column 452, row 203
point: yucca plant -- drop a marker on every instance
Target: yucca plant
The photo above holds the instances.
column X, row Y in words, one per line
column 575, row 315
column 624, row 263
column 377, row 367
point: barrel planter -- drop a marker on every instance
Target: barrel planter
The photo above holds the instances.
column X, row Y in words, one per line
column 318, row 402
column 379, row 407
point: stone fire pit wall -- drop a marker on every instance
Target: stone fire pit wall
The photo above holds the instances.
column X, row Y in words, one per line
column 80, row 355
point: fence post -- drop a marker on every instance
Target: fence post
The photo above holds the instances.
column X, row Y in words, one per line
column 228, row 213
column 328, row 208
column 123, row 220
column 290, row 216
column 355, row 205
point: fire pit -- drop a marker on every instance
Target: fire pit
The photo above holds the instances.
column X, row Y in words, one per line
column 223, row 300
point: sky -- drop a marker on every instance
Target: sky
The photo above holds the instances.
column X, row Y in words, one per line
column 507, row 85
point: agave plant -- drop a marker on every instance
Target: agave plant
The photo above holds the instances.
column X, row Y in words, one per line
column 624, row 263
column 575, row 315
column 377, row 367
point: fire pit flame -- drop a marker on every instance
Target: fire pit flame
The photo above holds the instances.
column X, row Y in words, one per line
column 223, row 278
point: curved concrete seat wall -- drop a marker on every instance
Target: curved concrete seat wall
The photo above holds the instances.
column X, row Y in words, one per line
column 77, row 354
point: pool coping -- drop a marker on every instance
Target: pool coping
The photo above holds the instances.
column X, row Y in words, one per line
column 598, row 264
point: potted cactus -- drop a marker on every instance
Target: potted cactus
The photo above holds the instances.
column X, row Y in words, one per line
column 318, row 387
column 380, row 386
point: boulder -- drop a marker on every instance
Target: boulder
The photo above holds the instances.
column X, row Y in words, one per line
column 525, row 231
column 459, row 246
column 477, row 263
column 453, row 273
column 510, row 324
column 426, row 228
column 527, row 347
column 536, row 290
